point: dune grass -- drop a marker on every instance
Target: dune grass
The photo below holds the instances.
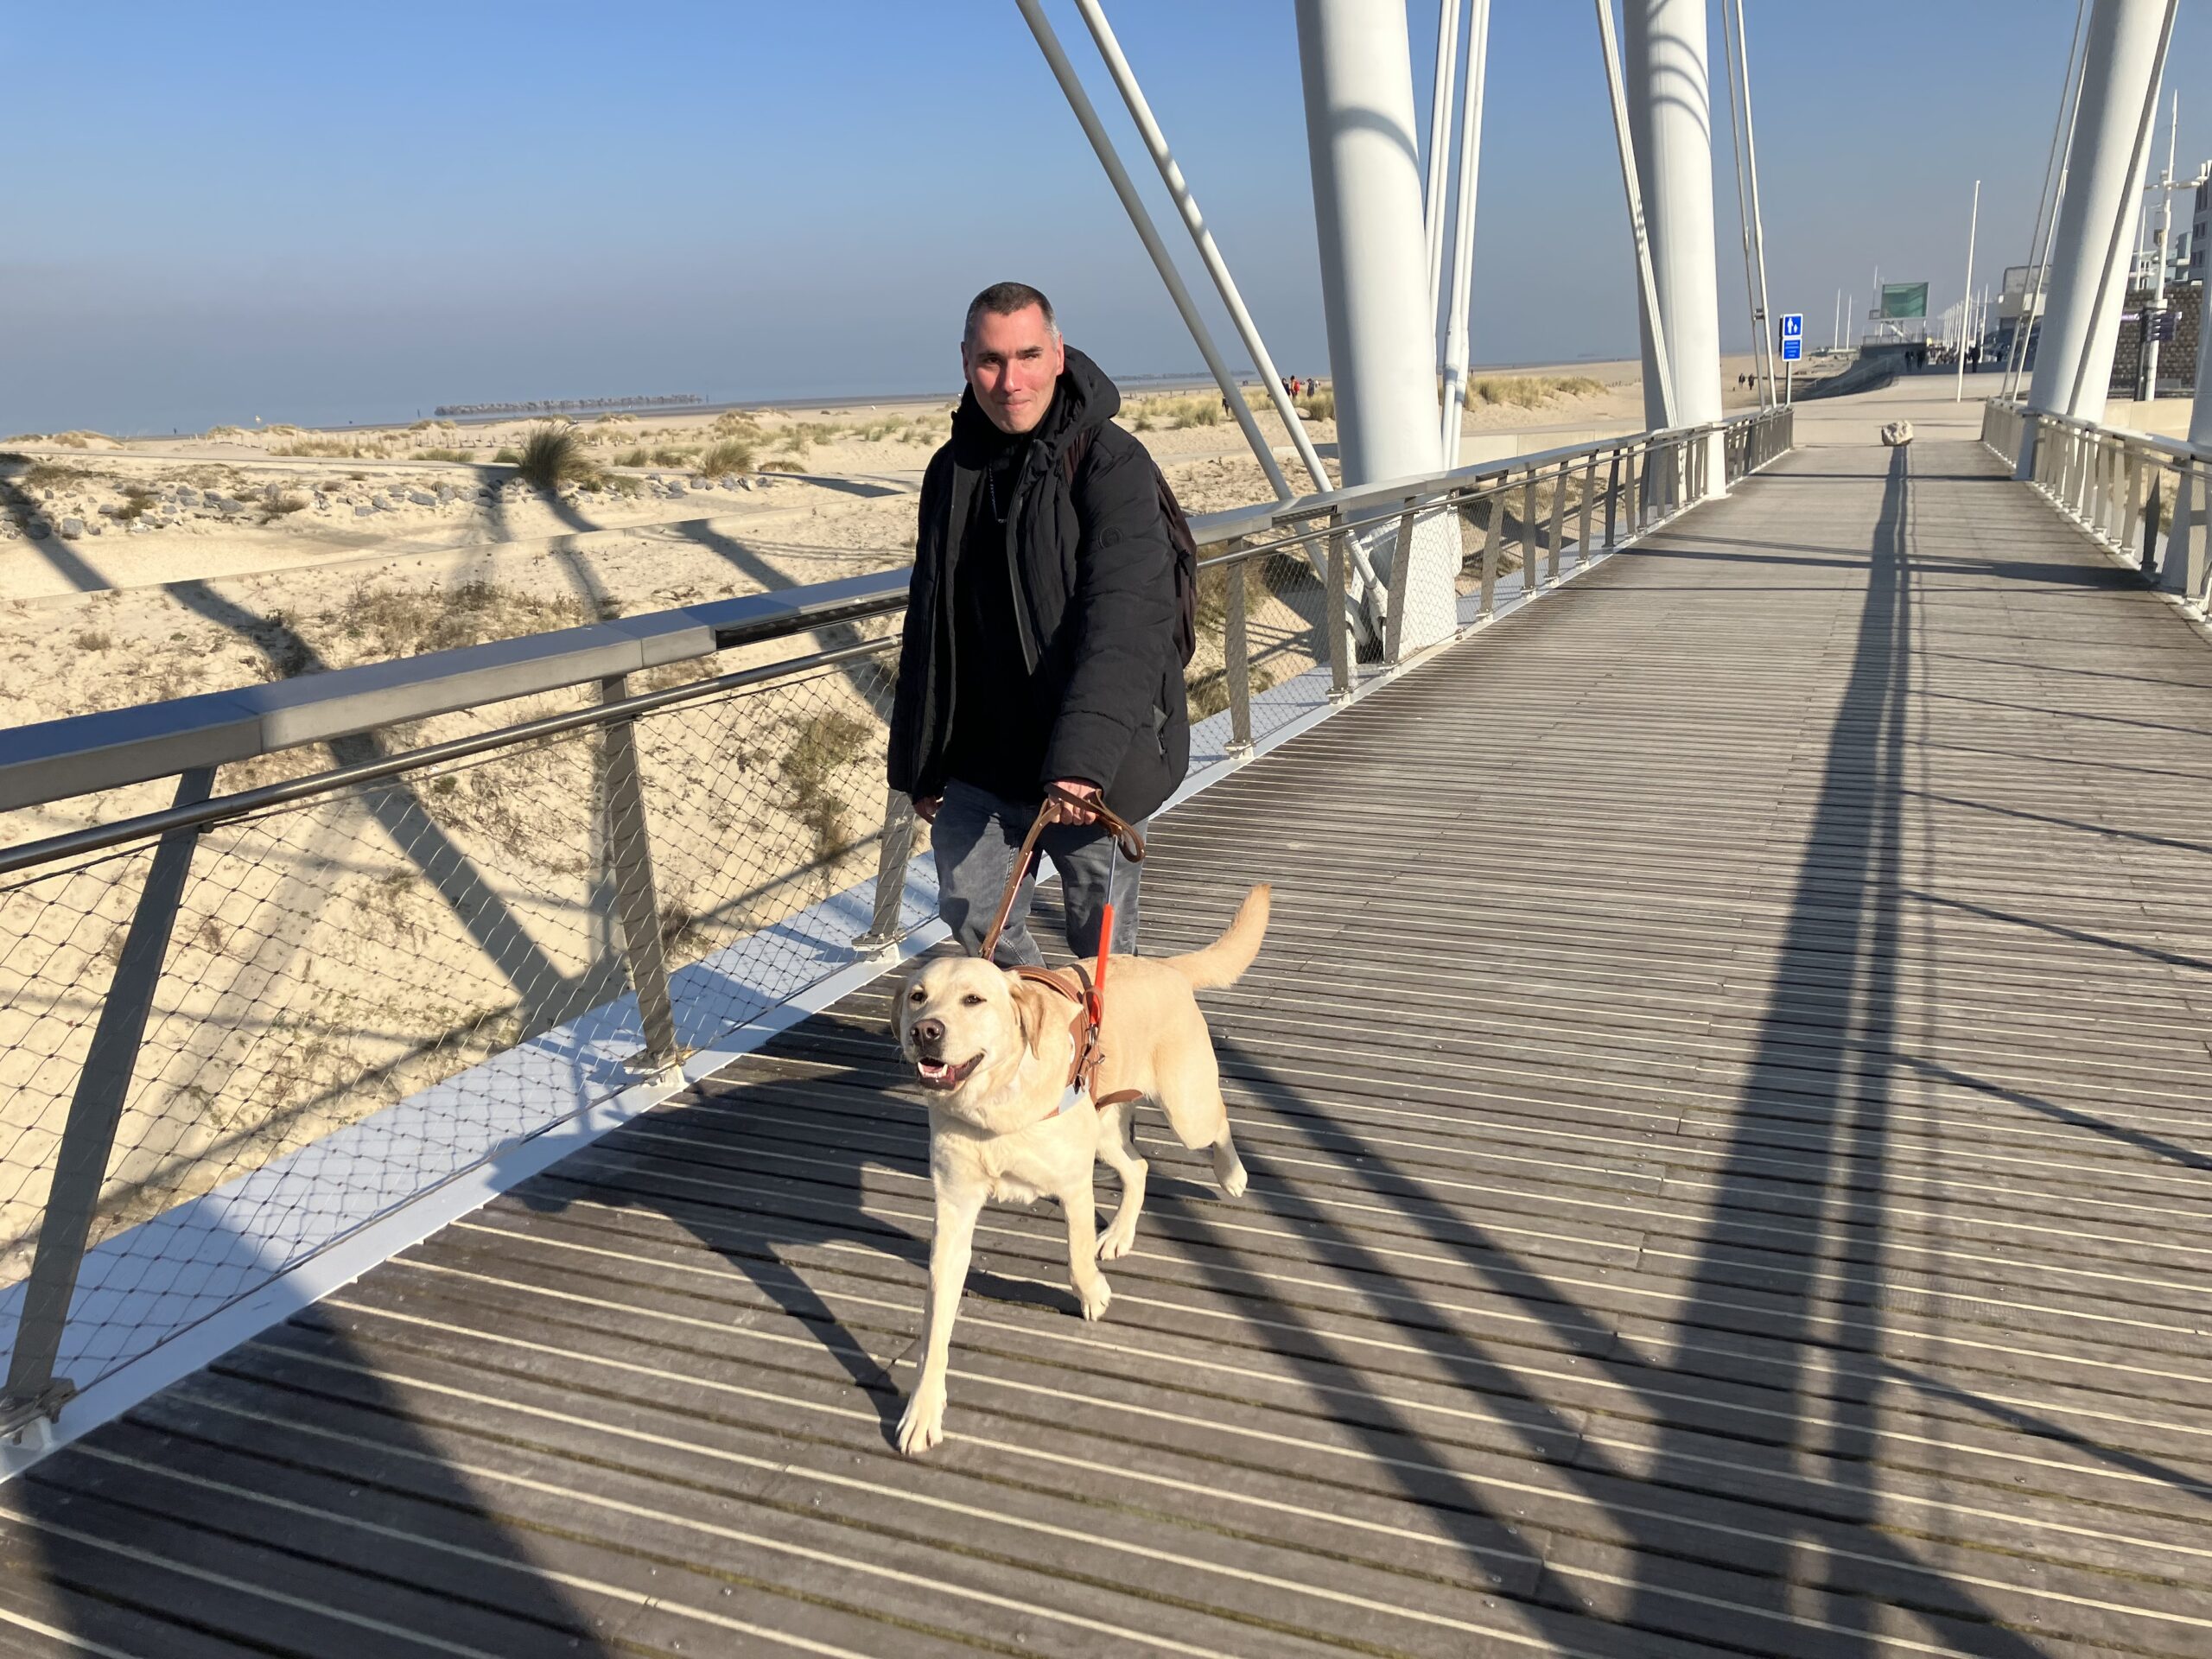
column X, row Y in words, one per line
column 730, row 455
column 1527, row 391
column 552, row 456
column 49, row 475
column 335, row 448
column 1175, row 414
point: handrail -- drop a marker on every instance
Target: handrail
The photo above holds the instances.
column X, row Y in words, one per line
column 80, row 754
column 2179, row 448
column 51, row 760
column 2141, row 497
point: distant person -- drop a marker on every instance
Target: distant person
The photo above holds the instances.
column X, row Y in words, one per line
column 1041, row 643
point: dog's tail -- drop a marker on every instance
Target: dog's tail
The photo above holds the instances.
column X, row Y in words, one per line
column 1224, row 962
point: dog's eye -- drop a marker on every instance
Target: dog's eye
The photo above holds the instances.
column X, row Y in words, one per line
column 918, row 996
column 971, row 1000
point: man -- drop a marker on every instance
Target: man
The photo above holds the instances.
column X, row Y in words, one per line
column 1039, row 643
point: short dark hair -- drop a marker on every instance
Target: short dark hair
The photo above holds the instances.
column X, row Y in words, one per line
column 1003, row 299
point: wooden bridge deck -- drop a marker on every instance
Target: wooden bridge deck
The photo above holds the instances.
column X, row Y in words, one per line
column 1728, row 1106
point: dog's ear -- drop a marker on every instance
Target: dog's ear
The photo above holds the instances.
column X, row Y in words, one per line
column 1031, row 1006
column 898, row 1007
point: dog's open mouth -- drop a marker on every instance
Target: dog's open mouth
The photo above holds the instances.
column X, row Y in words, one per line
column 943, row 1074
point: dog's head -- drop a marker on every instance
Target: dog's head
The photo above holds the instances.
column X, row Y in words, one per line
column 971, row 1032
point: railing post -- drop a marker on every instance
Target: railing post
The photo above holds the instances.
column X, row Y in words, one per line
column 1340, row 624
column 1558, row 525
column 81, row 1162
column 2146, row 519
column 2131, row 503
column 1589, row 486
column 1402, row 560
column 1235, row 664
column 2194, row 527
column 629, row 849
column 1491, row 532
column 893, row 854
column 1613, row 500
column 1529, row 580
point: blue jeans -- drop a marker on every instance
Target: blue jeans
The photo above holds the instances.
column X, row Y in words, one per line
column 976, row 838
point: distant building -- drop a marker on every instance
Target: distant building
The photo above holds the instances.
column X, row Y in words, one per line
column 2177, row 355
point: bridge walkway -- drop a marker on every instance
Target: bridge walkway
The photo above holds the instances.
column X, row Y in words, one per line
column 1726, row 1098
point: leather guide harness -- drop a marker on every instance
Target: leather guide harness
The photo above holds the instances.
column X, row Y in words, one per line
column 1087, row 990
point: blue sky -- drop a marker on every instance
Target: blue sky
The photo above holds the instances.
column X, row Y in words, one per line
column 319, row 214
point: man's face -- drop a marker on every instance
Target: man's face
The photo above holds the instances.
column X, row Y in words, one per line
column 1011, row 363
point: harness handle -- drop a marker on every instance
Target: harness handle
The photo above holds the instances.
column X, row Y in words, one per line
column 1127, row 843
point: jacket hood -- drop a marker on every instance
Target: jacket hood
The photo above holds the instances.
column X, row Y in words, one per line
column 1083, row 397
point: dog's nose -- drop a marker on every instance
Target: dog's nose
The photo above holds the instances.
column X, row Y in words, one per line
column 929, row 1033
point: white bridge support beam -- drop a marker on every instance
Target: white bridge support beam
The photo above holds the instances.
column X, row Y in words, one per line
column 1357, row 69
column 2104, row 158
column 1670, row 121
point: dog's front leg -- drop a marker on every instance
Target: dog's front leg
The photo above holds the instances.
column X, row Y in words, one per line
column 1090, row 1288
column 923, row 1426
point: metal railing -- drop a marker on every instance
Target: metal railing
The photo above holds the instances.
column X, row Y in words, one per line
column 2142, row 497
column 418, row 930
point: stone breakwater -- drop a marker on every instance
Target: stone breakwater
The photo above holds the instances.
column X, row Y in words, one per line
column 570, row 406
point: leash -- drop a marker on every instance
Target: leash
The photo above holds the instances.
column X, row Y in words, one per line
column 1127, row 844
column 1089, row 995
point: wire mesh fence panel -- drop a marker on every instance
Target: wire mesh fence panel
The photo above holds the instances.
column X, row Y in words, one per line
column 766, row 810
column 1289, row 650
column 64, row 931
column 377, row 945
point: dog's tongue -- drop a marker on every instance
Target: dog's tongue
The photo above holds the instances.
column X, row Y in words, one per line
column 933, row 1071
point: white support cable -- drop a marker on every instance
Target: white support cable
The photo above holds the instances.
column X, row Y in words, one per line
column 1079, row 102
column 1125, row 82
column 1647, row 285
column 1440, row 141
column 2053, row 190
column 2138, row 159
column 1758, row 218
column 1966, row 303
column 1462, row 237
column 1761, row 370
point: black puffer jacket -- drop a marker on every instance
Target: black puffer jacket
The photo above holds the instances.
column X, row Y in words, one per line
column 1094, row 586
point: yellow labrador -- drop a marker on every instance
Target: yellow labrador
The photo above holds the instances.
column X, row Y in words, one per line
column 994, row 1052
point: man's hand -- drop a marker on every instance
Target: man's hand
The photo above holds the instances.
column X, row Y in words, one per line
column 1083, row 790
column 926, row 807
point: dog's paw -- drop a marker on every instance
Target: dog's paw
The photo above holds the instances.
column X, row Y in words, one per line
column 1117, row 1241
column 923, row 1426
column 1229, row 1171
column 1095, row 1296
